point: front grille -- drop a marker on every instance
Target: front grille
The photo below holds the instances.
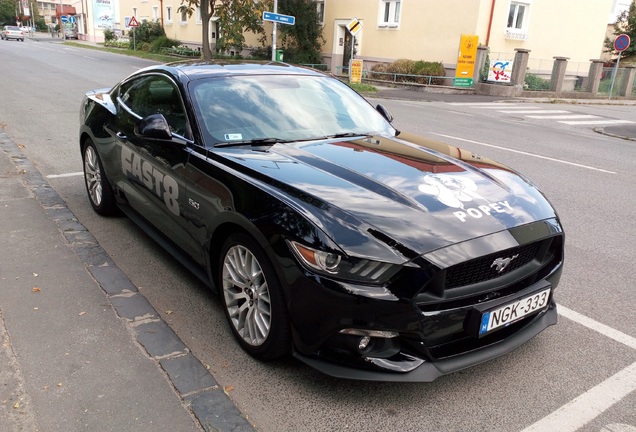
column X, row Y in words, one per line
column 483, row 269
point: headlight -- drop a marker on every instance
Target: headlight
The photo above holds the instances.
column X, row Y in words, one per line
column 342, row 267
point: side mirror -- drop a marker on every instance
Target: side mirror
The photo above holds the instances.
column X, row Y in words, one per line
column 384, row 112
column 154, row 126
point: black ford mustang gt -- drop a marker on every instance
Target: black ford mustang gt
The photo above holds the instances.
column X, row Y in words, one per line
column 367, row 252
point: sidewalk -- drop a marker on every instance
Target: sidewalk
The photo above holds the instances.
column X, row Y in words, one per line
column 82, row 349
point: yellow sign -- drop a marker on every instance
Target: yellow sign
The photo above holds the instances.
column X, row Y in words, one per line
column 356, row 71
column 354, row 26
column 466, row 60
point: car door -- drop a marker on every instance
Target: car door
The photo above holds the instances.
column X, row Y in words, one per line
column 153, row 169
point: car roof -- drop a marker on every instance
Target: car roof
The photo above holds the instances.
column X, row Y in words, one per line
column 197, row 69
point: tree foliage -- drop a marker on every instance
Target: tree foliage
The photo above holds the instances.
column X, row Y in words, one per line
column 207, row 11
column 303, row 41
column 235, row 18
column 625, row 23
column 8, row 10
column 145, row 34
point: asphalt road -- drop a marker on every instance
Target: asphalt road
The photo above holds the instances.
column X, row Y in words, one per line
column 578, row 375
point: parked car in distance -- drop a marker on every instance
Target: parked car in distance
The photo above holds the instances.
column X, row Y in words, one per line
column 70, row 33
column 366, row 252
column 12, row 32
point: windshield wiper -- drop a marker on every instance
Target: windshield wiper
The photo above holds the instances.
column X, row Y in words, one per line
column 252, row 142
column 337, row 135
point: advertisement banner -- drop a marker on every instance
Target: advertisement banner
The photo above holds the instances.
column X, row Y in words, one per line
column 500, row 71
column 466, row 58
column 356, row 71
column 103, row 13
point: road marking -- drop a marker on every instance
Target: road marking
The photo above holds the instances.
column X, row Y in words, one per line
column 594, row 402
column 586, row 407
column 526, row 153
column 482, row 104
column 564, row 117
column 536, row 111
column 597, row 122
column 74, row 174
column 598, row 327
column 90, row 58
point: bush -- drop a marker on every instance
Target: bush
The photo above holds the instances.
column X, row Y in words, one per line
column 262, row 52
column 145, row 34
column 406, row 67
column 402, row 66
column 161, row 42
column 109, row 35
column 535, row 82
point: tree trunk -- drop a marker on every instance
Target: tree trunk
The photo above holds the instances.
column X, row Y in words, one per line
column 207, row 9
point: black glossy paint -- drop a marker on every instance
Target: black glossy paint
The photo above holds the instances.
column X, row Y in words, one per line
column 423, row 205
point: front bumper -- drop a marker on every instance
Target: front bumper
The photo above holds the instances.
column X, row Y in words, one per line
column 430, row 370
column 433, row 330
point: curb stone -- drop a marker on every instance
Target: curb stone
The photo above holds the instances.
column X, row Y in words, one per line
column 195, row 385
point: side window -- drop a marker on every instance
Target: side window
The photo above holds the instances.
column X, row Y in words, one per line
column 156, row 94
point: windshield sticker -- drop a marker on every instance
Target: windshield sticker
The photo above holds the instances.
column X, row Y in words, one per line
column 233, row 137
column 456, row 192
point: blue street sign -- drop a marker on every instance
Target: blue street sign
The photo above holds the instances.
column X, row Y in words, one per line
column 64, row 18
column 283, row 19
column 72, row 19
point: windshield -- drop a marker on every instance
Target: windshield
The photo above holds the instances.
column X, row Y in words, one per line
column 281, row 107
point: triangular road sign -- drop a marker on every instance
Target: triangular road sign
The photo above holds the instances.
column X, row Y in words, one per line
column 133, row 22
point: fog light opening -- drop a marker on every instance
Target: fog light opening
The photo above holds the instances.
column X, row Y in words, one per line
column 364, row 342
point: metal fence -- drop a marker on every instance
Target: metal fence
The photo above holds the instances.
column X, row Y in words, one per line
column 606, row 87
column 399, row 78
column 317, row 66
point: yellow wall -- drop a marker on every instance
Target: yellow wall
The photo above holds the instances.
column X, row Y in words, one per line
column 427, row 30
column 430, row 29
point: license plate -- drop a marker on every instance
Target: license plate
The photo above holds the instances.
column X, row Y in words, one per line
column 514, row 311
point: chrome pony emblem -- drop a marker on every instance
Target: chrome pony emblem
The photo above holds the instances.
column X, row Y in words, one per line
column 500, row 264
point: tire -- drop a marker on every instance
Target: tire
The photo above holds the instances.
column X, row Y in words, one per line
column 98, row 188
column 252, row 298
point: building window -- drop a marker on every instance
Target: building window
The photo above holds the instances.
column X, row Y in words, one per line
column 516, row 15
column 389, row 13
column 134, row 12
column 184, row 16
column 198, row 15
column 169, row 14
column 320, row 5
column 517, row 25
column 155, row 13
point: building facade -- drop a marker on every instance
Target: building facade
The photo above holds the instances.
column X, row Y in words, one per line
column 427, row 30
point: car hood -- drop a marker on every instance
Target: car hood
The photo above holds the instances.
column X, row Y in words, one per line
column 408, row 195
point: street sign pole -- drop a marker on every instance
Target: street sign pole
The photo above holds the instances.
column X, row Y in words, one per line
column 618, row 60
column 621, row 43
column 274, row 32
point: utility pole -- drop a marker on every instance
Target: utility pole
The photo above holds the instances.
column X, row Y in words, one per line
column 274, row 32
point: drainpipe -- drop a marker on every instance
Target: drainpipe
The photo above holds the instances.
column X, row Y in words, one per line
column 492, row 11
column 161, row 14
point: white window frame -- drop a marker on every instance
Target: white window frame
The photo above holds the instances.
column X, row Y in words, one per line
column 134, row 12
column 168, row 14
column 197, row 15
column 155, row 13
column 183, row 20
column 390, row 13
column 321, row 7
column 518, row 30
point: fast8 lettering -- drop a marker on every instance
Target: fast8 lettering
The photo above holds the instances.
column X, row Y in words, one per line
column 162, row 185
